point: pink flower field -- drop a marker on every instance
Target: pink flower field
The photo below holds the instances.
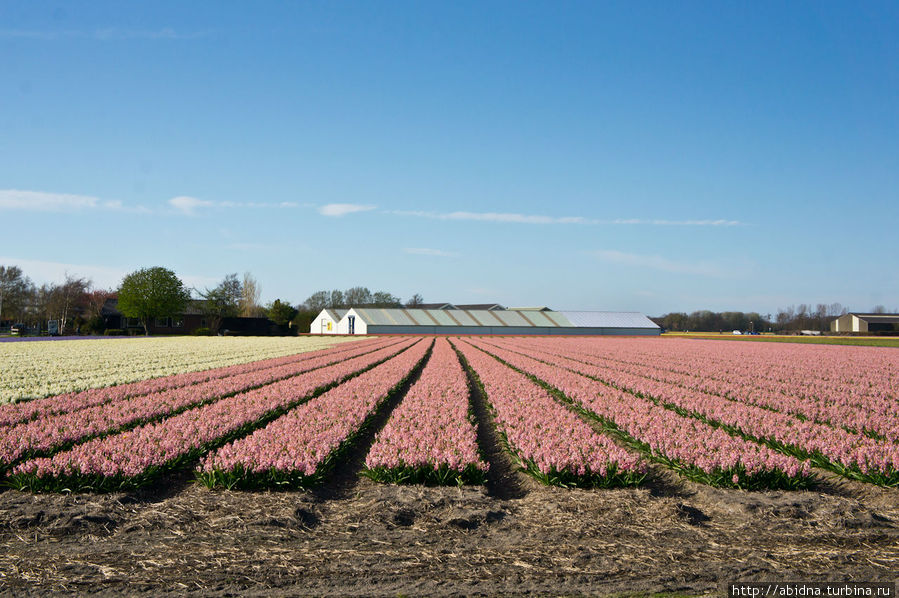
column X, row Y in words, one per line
column 431, row 437
column 591, row 411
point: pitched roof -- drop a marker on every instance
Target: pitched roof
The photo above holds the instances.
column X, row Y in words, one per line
column 335, row 314
column 482, row 306
column 375, row 316
column 877, row 318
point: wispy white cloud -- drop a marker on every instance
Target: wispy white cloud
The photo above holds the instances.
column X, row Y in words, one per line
column 165, row 33
column 104, row 34
column 42, row 201
column 191, row 206
column 104, row 277
column 257, row 204
column 493, row 217
column 656, row 262
column 342, row 209
column 46, row 272
column 516, row 218
column 719, row 222
column 428, row 251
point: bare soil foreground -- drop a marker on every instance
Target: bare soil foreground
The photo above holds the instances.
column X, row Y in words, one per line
column 356, row 537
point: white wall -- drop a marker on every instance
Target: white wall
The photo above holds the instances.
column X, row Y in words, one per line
column 343, row 327
column 320, row 324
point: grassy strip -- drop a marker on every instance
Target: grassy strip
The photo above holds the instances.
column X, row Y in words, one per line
column 242, row 478
column 721, row 478
column 99, row 483
column 427, row 475
column 36, row 454
column 807, row 340
column 564, row 478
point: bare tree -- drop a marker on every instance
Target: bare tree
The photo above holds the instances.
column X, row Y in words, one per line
column 68, row 299
column 96, row 299
column 357, row 296
column 385, row 299
column 415, row 301
column 317, row 301
column 835, row 310
column 14, row 290
column 337, row 299
column 250, row 294
column 878, row 309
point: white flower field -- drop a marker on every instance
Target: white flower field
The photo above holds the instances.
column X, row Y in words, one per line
column 40, row 369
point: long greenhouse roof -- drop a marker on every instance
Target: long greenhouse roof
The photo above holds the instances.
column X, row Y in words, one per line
column 502, row 318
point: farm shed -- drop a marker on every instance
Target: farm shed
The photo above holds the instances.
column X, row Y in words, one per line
column 856, row 322
column 365, row 320
column 326, row 322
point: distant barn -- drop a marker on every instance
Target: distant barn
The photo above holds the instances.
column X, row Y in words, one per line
column 856, row 322
column 495, row 320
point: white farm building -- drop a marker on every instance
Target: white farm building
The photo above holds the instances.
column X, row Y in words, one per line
column 451, row 320
column 327, row 321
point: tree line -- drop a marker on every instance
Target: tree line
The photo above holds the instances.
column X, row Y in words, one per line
column 77, row 305
column 804, row 316
column 157, row 292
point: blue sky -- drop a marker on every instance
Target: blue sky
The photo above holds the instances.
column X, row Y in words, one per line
column 621, row 156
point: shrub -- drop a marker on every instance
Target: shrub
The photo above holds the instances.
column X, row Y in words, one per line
column 203, row 331
column 95, row 325
column 114, row 332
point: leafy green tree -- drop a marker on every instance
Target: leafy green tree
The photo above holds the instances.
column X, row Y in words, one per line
column 303, row 320
column 152, row 293
column 281, row 313
column 223, row 301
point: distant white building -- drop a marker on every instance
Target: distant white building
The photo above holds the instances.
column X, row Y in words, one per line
column 858, row 322
column 536, row 321
column 327, row 321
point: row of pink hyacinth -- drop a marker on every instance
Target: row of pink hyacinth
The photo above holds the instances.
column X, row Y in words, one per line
column 302, row 440
column 43, row 435
column 861, row 405
column 432, row 427
column 827, row 406
column 688, row 441
column 16, row 413
column 133, row 452
column 837, row 445
column 864, row 376
column 540, row 430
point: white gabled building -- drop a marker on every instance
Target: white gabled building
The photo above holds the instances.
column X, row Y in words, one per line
column 327, row 321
